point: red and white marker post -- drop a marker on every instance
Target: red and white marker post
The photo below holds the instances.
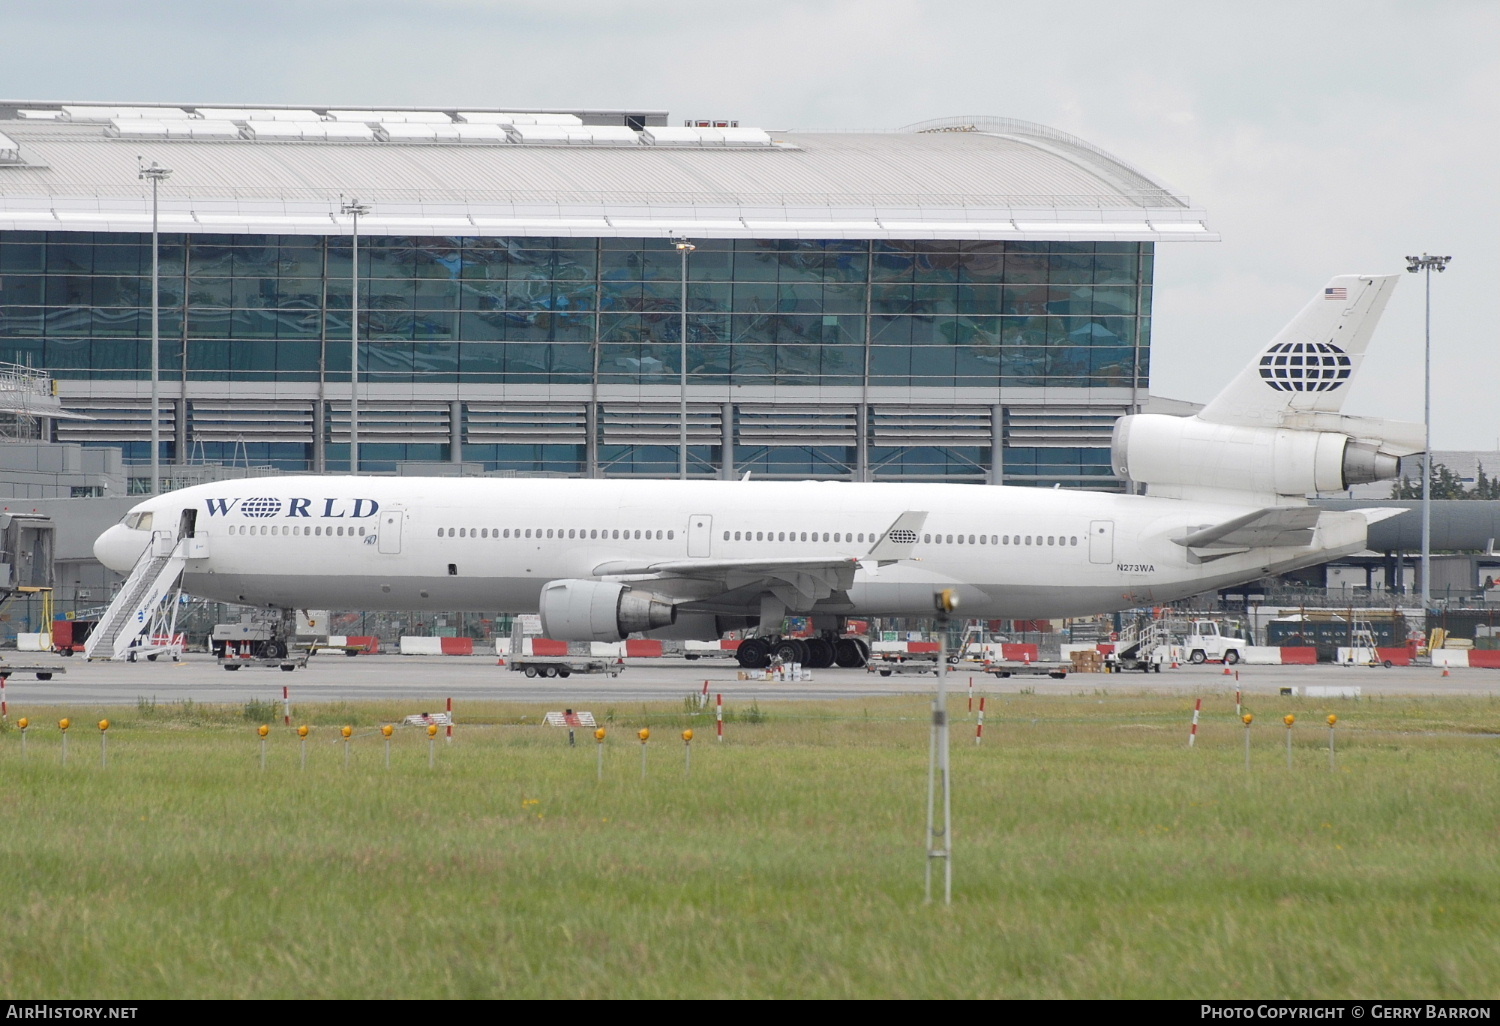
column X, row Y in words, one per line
column 1193, row 734
column 286, row 705
column 971, row 695
column 1237, row 710
column 4, row 707
column 719, row 717
column 703, row 699
column 449, row 737
column 979, row 730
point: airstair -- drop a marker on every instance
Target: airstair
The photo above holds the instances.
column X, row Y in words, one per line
column 143, row 604
column 1140, row 641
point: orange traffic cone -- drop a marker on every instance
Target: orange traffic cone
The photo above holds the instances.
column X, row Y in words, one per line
column 500, row 661
column 1227, row 670
column 1445, row 672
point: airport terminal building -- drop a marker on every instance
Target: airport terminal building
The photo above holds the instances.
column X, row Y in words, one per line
column 961, row 300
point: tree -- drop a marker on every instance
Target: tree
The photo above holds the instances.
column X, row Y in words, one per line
column 1446, row 485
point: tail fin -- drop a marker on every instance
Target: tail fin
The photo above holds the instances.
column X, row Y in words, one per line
column 1305, row 367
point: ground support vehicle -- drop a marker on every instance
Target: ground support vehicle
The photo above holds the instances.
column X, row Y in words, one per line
column 564, row 666
column 43, row 672
column 1011, row 668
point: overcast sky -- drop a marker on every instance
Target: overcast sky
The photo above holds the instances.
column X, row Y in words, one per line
column 1321, row 138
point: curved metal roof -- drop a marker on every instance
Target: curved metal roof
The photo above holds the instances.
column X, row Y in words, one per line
column 968, row 178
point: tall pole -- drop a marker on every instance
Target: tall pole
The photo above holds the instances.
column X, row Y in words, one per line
column 684, row 247
column 1427, row 264
column 155, row 173
column 354, row 208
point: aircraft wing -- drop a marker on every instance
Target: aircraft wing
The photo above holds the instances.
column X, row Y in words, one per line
column 799, row 580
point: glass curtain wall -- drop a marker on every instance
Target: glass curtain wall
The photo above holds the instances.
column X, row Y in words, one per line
column 249, row 308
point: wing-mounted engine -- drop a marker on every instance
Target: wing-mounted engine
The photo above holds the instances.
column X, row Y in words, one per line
column 601, row 610
column 1275, row 435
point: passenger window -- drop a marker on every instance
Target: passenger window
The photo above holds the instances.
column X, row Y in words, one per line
column 983, row 540
column 361, row 532
column 671, row 535
column 463, row 532
column 927, row 538
column 1028, row 539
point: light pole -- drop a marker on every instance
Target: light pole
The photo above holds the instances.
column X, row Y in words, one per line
column 354, row 208
column 155, row 173
column 684, row 247
column 1427, row 264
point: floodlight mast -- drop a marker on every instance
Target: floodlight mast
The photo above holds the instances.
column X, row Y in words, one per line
column 156, row 174
column 354, row 208
column 1427, row 264
column 684, row 247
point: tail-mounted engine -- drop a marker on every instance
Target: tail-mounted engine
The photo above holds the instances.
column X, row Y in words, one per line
column 601, row 611
column 1187, row 456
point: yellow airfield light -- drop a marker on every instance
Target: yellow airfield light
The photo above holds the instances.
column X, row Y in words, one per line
column 23, row 723
column 432, row 730
column 1289, row 719
column 644, row 734
column 348, row 732
column 263, row 730
column 687, row 736
column 64, row 723
column 599, row 735
column 103, row 725
column 1248, row 718
column 387, row 730
column 1332, row 719
column 302, row 730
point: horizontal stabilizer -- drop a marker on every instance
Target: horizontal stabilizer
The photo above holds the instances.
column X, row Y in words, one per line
column 1275, row 526
column 1376, row 514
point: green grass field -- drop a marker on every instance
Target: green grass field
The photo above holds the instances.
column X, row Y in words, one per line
column 1096, row 856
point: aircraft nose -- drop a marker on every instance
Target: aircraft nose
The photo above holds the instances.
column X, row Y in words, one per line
column 119, row 547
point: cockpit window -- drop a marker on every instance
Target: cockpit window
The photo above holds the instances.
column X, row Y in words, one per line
column 138, row 521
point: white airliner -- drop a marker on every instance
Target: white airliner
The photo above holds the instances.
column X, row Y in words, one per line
column 1226, row 503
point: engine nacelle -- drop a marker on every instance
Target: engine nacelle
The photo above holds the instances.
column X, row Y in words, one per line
column 601, row 611
column 1185, row 452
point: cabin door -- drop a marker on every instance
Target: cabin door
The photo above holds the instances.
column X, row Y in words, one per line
column 700, row 534
column 1102, row 541
column 391, row 520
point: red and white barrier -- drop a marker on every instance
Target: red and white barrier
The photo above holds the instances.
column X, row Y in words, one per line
column 368, row 642
column 1474, row 658
column 436, row 646
column 711, row 648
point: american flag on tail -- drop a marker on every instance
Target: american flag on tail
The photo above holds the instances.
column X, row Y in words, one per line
column 1339, row 293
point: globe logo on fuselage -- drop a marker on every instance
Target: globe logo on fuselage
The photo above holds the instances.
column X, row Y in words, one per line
column 260, row 508
column 1305, row 367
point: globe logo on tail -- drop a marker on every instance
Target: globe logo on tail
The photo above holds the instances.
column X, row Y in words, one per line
column 1305, row 367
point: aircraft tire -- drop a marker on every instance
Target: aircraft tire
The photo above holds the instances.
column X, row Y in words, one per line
column 791, row 650
column 820, row 653
column 864, row 648
column 753, row 654
column 847, row 653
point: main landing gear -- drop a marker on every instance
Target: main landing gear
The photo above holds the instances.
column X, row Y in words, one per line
column 815, row 653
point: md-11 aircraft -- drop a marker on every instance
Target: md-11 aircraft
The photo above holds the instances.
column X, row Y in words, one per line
column 1225, row 503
